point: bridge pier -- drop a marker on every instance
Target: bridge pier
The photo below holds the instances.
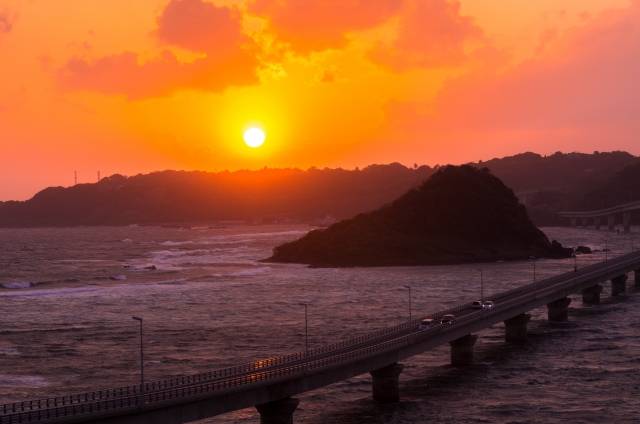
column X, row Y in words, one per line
column 462, row 350
column 611, row 222
column 515, row 329
column 386, row 387
column 558, row 310
column 626, row 222
column 619, row 285
column 591, row 295
column 278, row 412
column 596, row 222
column 574, row 222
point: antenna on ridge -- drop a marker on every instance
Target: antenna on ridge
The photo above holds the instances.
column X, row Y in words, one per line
column 75, row 177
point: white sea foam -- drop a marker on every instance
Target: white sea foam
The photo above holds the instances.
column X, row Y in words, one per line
column 27, row 381
column 176, row 243
column 251, row 272
column 9, row 351
column 119, row 277
column 17, row 285
column 61, row 292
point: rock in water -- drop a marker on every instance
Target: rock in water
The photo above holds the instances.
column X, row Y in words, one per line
column 461, row 214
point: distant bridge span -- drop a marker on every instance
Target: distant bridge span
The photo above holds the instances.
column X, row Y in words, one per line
column 270, row 384
column 596, row 217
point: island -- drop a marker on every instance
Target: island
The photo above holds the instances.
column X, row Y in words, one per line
column 461, row 214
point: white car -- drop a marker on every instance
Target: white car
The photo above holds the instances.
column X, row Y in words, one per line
column 427, row 323
column 487, row 304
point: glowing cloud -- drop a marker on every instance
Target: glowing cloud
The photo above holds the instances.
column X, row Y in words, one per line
column 317, row 25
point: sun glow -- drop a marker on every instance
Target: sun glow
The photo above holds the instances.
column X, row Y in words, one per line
column 254, row 137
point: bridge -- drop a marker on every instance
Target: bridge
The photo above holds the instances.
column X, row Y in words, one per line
column 596, row 217
column 270, row 384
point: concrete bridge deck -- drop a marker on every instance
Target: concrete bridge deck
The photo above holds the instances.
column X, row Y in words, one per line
column 270, row 384
column 597, row 216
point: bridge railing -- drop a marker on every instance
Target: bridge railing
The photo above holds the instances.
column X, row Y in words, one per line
column 180, row 381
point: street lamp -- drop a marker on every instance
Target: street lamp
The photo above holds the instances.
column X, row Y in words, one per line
column 409, row 287
column 140, row 320
column 534, row 270
column 306, row 330
column 481, row 287
column 575, row 261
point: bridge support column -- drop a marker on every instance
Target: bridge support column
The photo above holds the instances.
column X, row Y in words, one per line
column 637, row 277
column 611, row 222
column 386, row 388
column 591, row 295
column 515, row 329
column 558, row 310
column 619, row 285
column 596, row 222
column 462, row 350
column 574, row 222
column 626, row 222
column 278, row 412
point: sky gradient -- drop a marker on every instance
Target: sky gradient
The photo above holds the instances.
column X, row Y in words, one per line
column 136, row 86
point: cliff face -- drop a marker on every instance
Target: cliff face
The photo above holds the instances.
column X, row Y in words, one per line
column 461, row 214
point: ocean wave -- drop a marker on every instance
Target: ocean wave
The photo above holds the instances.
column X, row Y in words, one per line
column 243, row 238
column 14, row 285
column 119, row 277
column 63, row 291
column 176, row 243
column 250, row 272
column 28, row 381
column 9, row 351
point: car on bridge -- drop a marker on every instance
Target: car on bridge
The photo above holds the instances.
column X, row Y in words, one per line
column 427, row 323
column 482, row 304
column 447, row 319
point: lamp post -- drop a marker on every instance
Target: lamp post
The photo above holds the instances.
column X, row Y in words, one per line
column 481, row 287
column 306, row 330
column 409, row 287
column 140, row 320
column 575, row 261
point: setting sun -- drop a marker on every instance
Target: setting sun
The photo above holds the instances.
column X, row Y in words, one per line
column 254, row 137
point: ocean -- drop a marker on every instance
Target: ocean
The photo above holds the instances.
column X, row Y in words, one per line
column 67, row 296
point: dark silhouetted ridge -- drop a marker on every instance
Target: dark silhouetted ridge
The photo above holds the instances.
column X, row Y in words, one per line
column 262, row 196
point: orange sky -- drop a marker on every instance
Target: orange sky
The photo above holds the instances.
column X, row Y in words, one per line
column 135, row 86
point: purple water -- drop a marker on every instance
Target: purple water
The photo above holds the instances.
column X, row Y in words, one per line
column 67, row 297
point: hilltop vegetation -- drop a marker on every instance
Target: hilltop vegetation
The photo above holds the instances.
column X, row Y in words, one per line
column 268, row 195
column 622, row 187
column 461, row 214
